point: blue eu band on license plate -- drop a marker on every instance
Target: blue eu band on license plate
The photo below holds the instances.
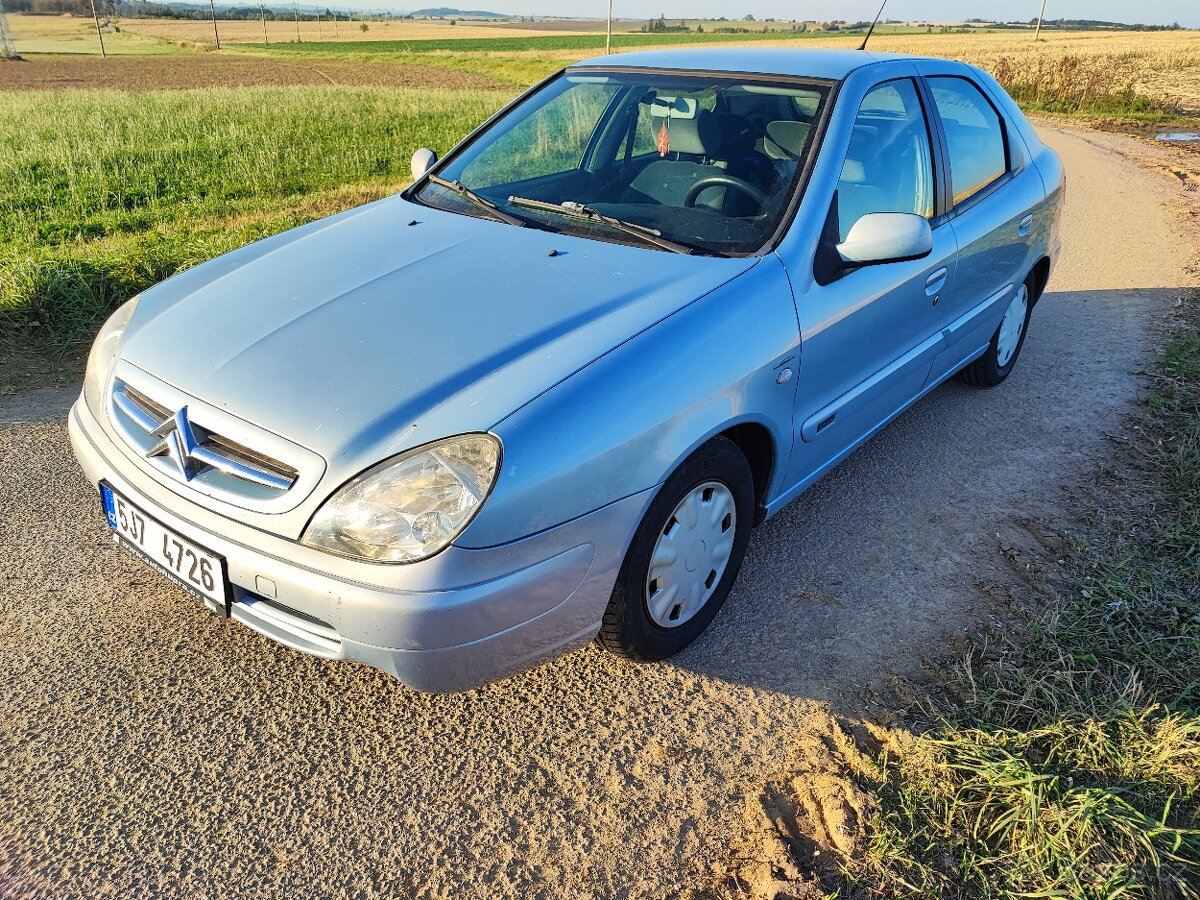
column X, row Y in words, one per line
column 194, row 568
column 110, row 505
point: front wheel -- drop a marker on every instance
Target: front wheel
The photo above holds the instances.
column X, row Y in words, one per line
column 1000, row 358
column 684, row 558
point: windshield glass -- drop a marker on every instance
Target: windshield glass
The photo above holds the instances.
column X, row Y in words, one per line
column 708, row 163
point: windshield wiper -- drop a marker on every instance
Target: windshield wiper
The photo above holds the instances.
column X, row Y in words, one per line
column 580, row 211
column 482, row 202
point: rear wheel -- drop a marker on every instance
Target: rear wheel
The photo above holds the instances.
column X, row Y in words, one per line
column 1000, row 358
column 685, row 556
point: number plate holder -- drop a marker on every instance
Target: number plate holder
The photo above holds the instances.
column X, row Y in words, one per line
column 182, row 560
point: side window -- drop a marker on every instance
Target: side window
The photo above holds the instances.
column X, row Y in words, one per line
column 889, row 166
column 974, row 136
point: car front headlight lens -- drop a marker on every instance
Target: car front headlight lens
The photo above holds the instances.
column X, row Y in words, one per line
column 103, row 354
column 410, row 507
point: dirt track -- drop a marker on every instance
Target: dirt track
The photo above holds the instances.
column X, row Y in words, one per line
column 147, row 748
column 150, row 73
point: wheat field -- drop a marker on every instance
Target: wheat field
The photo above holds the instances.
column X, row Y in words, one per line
column 1161, row 65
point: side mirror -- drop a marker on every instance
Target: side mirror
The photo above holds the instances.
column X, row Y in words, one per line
column 422, row 162
column 886, row 237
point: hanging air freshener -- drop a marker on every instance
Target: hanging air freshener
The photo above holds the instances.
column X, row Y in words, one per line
column 664, row 139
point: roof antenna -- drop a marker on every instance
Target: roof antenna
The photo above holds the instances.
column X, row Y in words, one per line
column 871, row 30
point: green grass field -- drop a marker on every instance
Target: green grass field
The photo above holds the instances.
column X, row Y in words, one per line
column 141, row 185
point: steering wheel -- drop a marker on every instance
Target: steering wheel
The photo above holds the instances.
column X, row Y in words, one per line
column 725, row 181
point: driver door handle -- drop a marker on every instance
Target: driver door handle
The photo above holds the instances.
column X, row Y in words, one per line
column 936, row 281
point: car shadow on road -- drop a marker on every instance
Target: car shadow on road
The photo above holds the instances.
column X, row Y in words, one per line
column 881, row 576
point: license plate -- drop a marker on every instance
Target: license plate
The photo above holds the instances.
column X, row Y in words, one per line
column 196, row 570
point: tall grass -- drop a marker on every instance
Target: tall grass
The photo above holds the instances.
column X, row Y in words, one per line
column 1074, row 770
column 1070, row 83
column 103, row 193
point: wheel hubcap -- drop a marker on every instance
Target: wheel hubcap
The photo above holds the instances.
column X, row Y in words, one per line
column 691, row 554
column 1011, row 327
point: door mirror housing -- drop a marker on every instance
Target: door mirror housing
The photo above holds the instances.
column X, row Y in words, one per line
column 886, row 237
column 422, row 162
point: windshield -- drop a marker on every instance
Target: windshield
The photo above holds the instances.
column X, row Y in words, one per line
column 707, row 164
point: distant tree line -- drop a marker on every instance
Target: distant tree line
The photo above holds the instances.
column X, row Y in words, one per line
column 1081, row 25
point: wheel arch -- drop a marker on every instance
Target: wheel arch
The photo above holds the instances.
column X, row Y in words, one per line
column 758, row 446
column 1041, row 275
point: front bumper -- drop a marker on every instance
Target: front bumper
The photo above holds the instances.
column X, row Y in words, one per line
column 450, row 623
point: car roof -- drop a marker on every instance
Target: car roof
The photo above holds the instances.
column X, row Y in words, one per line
column 789, row 61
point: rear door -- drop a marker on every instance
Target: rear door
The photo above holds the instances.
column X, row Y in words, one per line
column 993, row 194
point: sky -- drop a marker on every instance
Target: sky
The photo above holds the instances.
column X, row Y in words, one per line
column 1153, row 12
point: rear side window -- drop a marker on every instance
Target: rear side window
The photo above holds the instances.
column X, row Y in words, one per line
column 974, row 136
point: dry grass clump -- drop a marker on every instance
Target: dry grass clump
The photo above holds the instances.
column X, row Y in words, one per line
column 1072, row 84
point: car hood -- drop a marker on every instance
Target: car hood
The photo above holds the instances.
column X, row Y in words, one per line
column 393, row 324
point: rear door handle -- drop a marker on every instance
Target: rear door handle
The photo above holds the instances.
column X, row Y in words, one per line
column 936, row 281
column 1025, row 225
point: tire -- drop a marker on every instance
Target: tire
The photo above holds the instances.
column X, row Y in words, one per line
column 639, row 623
column 1000, row 358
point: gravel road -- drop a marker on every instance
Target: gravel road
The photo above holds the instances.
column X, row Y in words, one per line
column 149, row 749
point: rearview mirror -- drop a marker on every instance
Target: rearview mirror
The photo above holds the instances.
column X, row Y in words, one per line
column 886, row 237
column 422, row 162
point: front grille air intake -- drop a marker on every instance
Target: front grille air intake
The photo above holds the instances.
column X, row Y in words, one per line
column 186, row 450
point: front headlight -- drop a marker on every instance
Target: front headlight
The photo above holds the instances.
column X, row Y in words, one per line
column 410, row 507
column 102, row 355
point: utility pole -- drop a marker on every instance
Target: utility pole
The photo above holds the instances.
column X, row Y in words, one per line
column 608, row 41
column 1041, row 14
column 99, row 34
column 296, row 13
column 263, row 10
column 8, row 49
column 217, row 37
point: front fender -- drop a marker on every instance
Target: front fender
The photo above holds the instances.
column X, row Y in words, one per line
column 622, row 424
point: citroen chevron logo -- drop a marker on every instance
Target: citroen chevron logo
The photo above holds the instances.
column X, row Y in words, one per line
column 176, row 441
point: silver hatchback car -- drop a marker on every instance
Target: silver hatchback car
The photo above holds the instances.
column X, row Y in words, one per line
column 543, row 395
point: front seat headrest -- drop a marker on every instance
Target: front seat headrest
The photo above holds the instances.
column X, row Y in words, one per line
column 700, row 136
column 853, row 172
column 790, row 137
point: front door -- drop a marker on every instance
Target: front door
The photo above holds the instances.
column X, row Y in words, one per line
column 870, row 335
